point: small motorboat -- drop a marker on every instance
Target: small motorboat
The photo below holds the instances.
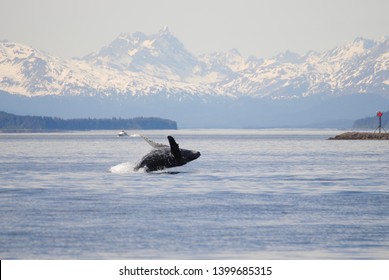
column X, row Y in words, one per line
column 122, row 133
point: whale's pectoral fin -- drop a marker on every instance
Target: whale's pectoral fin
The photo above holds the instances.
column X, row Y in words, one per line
column 151, row 143
column 174, row 148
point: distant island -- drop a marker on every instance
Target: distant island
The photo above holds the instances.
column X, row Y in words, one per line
column 371, row 123
column 11, row 122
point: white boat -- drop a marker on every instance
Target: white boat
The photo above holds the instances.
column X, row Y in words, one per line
column 122, row 133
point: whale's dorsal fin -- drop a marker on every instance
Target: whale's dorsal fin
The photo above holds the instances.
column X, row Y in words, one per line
column 152, row 143
column 174, row 148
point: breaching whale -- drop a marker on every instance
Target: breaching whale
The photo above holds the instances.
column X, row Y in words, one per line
column 164, row 156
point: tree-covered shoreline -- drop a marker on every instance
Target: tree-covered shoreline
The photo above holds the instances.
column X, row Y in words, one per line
column 11, row 122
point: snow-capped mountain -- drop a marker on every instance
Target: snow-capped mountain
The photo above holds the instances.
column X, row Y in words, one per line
column 138, row 64
column 160, row 55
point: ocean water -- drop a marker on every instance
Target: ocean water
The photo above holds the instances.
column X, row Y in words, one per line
column 253, row 194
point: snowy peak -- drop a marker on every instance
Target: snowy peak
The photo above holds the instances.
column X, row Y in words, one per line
column 29, row 71
column 229, row 62
column 360, row 47
column 157, row 54
column 288, row 57
column 365, row 43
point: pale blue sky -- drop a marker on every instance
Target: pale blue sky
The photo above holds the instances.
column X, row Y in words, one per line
column 262, row 28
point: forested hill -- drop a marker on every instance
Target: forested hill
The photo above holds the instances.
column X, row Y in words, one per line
column 371, row 123
column 15, row 122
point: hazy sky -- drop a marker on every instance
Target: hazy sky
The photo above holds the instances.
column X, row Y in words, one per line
column 262, row 28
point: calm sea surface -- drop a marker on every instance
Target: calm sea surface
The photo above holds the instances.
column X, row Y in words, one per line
column 253, row 194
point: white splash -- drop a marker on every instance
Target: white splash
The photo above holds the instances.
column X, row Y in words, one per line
column 122, row 168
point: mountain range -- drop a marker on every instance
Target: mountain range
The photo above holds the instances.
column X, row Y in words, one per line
column 156, row 75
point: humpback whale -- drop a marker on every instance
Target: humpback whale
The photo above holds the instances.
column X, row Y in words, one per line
column 164, row 156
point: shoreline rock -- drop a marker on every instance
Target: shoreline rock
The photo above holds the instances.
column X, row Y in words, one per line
column 361, row 136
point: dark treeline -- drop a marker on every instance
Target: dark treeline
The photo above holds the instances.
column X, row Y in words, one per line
column 372, row 123
column 15, row 122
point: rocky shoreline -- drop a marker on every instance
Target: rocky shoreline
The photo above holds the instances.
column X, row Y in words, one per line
column 361, row 136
